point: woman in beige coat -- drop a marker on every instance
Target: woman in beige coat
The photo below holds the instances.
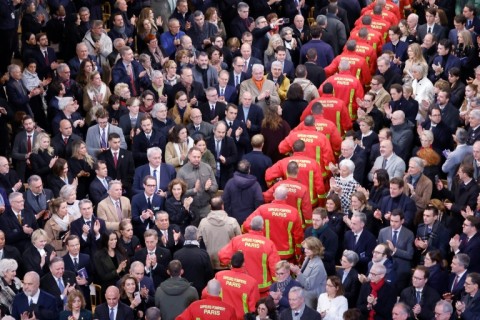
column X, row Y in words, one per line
column 58, row 226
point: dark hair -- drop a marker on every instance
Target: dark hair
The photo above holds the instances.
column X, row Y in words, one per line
column 436, row 256
column 57, row 168
column 382, row 178
column 270, row 304
column 119, row 249
column 123, row 280
column 173, row 135
column 175, row 182
column 336, row 199
column 113, row 99
column 295, row 92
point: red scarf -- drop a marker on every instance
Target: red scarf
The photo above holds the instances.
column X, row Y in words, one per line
column 375, row 287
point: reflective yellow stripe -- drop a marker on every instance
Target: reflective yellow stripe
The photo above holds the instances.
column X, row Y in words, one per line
column 290, row 241
column 337, row 119
column 318, row 154
column 245, row 303
column 300, row 213
column 350, row 105
column 267, row 228
column 265, row 283
column 311, row 187
column 358, row 73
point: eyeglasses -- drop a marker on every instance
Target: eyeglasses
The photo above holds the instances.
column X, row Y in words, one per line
column 151, row 185
column 373, row 84
column 378, row 252
column 375, row 274
column 469, row 284
column 466, row 225
column 417, row 278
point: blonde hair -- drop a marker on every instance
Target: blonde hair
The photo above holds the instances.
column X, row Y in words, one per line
column 38, row 142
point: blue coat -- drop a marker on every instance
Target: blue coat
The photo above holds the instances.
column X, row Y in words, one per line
column 119, row 74
column 44, row 309
column 167, row 174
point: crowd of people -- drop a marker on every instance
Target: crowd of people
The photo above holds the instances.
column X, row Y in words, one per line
column 275, row 159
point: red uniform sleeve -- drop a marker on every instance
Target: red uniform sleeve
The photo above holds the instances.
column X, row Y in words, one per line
column 332, row 68
column 268, row 195
column 274, row 172
column 285, row 146
column 308, row 109
column 335, row 138
column 366, row 75
column 246, row 224
column 225, row 254
column 307, row 209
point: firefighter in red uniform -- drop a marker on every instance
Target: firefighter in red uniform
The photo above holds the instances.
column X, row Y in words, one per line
column 282, row 225
column 387, row 15
column 375, row 37
column 211, row 307
column 309, row 173
column 387, row 5
column 325, row 126
column 297, row 195
column 345, row 87
column 317, row 146
column 334, row 109
column 379, row 23
column 260, row 254
column 358, row 65
column 365, row 49
column 239, row 289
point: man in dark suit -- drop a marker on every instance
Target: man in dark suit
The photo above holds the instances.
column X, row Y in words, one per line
column 397, row 199
column 17, row 223
column 225, row 152
column 113, row 309
column 226, row 91
column 63, row 141
column 17, row 93
column 250, row 114
column 246, row 52
column 9, row 180
column 443, row 61
column 473, row 22
column 259, row 161
column 121, row 29
column 241, row 22
column 420, row 297
column 154, row 257
column 315, row 73
column 361, row 241
column 198, row 126
column 23, row 145
column 120, row 165
column 194, row 90
column 469, row 242
column 145, row 284
column 399, row 240
column 58, row 282
column 430, row 26
column 237, row 130
column 75, row 261
column 163, row 173
column 82, row 54
column 131, row 72
column 474, row 127
column 88, row 228
column 348, row 149
column 146, row 139
column 99, row 185
column 170, row 235
column 34, row 302
column 296, row 299
column 212, row 110
column 37, row 198
column 237, row 75
column 144, row 206
column 130, row 122
column 45, row 57
column 456, row 280
column 442, row 134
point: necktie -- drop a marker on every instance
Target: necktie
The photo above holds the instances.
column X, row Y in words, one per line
column 132, row 80
column 103, row 139
column 237, row 80
column 89, row 223
column 418, row 295
column 165, row 233
column 217, row 145
column 429, row 30
column 75, row 263
column 245, row 66
column 65, row 141
column 30, row 301
column 37, row 199
column 395, row 238
column 45, row 54
column 156, row 181
column 344, row 276
column 356, row 238
column 112, row 314
column 222, row 92
column 115, row 159
column 105, row 184
column 296, row 314
column 148, row 137
column 149, row 203
column 384, row 163
column 19, row 218
column 1, row 254
column 119, row 210
column 29, row 143
column 455, row 282
column 212, row 111
column 197, row 128
column 60, row 285
column 229, row 124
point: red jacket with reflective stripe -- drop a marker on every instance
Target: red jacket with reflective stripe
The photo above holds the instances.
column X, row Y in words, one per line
column 282, row 225
column 209, row 308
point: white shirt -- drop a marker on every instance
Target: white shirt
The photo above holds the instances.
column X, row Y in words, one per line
column 334, row 308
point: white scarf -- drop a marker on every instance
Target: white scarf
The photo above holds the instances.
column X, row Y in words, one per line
column 62, row 223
